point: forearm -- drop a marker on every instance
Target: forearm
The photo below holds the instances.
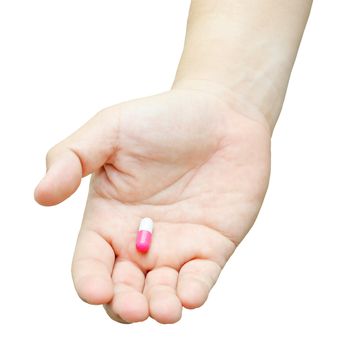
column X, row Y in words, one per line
column 243, row 51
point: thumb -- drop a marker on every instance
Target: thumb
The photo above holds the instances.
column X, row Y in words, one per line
column 78, row 155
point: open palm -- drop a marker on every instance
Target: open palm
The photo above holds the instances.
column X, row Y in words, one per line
column 183, row 158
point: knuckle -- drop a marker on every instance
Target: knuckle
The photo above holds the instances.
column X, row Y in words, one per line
column 52, row 153
column 49, row 155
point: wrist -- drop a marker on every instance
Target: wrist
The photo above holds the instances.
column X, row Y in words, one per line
column 216, row 62
column 243, row 52
column 233, row 101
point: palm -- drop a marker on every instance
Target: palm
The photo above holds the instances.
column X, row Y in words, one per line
column 187, row 160
column 200, row 171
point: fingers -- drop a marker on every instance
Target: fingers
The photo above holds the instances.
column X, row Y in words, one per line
column 160, row 289
column 92, row 268
column 129, row 304
column 78, row 155
column 196, row 278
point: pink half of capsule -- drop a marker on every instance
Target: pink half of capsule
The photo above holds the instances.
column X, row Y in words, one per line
column 144, row 235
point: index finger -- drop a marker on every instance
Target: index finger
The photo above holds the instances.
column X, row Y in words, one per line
column 92, row 267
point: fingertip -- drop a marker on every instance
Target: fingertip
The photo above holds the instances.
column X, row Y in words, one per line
column 196, row 279
column 43, row 194
column 61, row 180
column 193, row 295
column 95, row 290
column 131, row 307
column 166, row 308
column 38, row 196
column 115, row 317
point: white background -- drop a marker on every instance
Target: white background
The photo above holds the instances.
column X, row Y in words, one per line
column 284, row 288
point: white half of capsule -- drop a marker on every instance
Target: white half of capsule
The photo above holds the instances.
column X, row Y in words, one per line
column 146, row 224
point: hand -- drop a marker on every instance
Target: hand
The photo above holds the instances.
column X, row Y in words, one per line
column 183, row 158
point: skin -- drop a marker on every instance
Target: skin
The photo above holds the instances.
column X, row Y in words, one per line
column 195, row 159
